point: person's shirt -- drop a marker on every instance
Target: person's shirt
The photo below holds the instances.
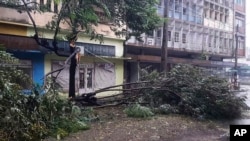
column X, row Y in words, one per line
column 72, row 50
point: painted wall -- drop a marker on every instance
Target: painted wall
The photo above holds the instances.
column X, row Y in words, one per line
column 37, row 64
column 84, row 59
column 13, row 29
column 12, row 15
column 37, row 58
column 117, row 42
column 119, row 69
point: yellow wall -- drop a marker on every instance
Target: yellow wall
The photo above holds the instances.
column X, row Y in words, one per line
column 13, row 29
column 117, row 42
column 84, row 59
column 118, row 68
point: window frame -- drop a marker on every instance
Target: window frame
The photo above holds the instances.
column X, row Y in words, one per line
column 184, row 38
column 176, row 36
column 169, row 35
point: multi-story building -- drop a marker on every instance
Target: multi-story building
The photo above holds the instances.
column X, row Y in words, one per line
column 100, row 66
column 200, row 32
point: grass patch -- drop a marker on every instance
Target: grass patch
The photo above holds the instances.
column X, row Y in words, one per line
column 138, row 111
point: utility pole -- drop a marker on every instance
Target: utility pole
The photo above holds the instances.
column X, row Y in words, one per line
column 236, row 59
column 164, row 51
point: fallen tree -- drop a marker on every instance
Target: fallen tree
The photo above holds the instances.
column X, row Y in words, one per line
column 190, row 90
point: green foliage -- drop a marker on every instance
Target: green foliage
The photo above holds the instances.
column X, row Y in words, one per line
column 191, row 91
column 139, row 17
column 125, row 17
column 34, row 116
column 9, row 75
column 166, row 109
column 138, row 111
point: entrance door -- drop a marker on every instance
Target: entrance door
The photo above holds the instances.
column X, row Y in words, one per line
column 86, row 78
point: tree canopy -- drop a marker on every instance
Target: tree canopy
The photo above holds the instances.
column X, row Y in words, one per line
column 125, row 17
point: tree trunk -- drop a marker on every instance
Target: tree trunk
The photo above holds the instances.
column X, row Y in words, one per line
column 72, row 72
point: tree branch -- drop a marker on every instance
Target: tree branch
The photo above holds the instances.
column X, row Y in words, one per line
column 44, row 42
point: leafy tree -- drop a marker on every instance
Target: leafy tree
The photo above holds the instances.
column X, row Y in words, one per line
column 10, row 76
column 125, row 17
column 192, row 91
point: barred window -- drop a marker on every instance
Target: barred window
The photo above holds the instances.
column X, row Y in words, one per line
column 169, row 35
column 176, row 37
column 184, row 38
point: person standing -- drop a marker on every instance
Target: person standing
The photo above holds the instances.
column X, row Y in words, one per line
column 73, row 64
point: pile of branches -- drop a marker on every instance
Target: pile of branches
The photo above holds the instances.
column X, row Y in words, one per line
column 37, row 114
column 191, row 91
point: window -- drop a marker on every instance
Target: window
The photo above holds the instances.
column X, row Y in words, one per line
column 48, row 5
column 211, row 14
column 81, row 78
column 226, row 18
column 26, row 67
column 216, row 16
column 89, row 77
column 210, row 40
column 184, row 38
column 55, row 7
column 239, row 15
column 240, row 2
column 184, row 11
column 241, row 45
column 176, row 37
column 159, row 33
column 150, row 33
column 86, row 76
column 205, row 14
column 238, row 22
column 221, row 17
column 41, row 4
column 169, row 35
column 63, row 78
column 215, row 42
column 177, row 8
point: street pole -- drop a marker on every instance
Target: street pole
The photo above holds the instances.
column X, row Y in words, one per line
column 164, row 51
column 236, row 58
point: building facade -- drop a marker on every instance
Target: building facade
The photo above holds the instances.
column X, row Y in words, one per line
column 200, row 32
column 101, row 65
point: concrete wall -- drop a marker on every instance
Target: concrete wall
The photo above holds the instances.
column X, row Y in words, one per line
column 220, row 25
column 12, row 15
